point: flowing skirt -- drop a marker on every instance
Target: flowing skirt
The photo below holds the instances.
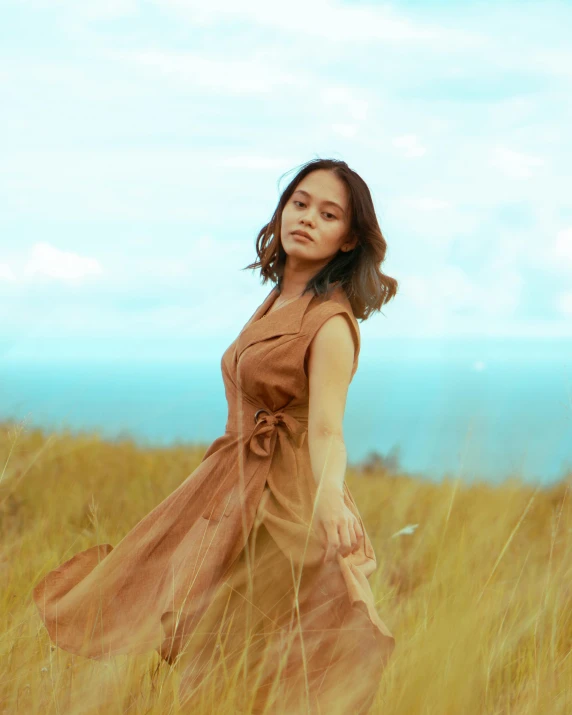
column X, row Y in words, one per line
column 294, row 634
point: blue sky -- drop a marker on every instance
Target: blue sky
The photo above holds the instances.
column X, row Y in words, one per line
column 142, row 145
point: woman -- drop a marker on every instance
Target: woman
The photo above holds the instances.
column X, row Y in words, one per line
column 259, row 560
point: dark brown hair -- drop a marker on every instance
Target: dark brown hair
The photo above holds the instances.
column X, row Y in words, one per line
column 358, row 270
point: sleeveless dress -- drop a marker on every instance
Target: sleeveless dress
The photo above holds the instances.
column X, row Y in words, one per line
column 230, row 562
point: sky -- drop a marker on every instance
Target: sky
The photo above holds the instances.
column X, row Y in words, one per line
column 144, row 145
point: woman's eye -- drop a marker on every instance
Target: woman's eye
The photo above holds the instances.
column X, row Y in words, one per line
column 300, row 202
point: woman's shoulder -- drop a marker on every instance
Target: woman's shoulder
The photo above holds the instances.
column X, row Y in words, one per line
column 321, row 308
column 336, row 301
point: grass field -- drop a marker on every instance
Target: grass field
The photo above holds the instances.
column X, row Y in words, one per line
column 474, row 581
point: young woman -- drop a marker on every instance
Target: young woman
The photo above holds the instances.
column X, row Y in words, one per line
column 259, row 561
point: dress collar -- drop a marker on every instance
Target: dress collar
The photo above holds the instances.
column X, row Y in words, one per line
column 286, row 320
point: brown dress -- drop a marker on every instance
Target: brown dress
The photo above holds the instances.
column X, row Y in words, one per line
column 215, row 570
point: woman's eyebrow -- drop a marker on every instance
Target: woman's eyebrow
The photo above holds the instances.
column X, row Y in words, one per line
column 333, row 203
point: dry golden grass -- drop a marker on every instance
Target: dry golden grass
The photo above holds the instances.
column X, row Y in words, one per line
column 477, row 591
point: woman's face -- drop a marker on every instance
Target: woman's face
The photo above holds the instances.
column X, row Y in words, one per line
column 318, row 206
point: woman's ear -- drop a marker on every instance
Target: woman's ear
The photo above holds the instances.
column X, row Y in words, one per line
column 350, row 244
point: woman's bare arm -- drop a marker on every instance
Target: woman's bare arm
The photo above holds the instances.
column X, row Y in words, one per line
column 329, row 371
column 330, row 364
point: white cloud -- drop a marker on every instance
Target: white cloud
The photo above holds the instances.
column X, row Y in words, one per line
column 190, row 266
column 251, row 161
column 257, row 75
column 347, row 106
column 131, row 155
column 424, row 222
column 556, row 254
column 498, row 293
column 515, row 165
column 445, row 300
column 563, row 246
column 329, row 20
column 90, row 9
column 349, row 99
column 50, row 262
column 410, row 145
column 433, row 290
column 6, row 273
column 427, row 203
column 564, row 302
column 345, row 130
column 448, row 289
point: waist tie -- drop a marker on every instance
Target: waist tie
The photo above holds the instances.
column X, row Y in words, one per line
column 259, row 439
column 288, row 425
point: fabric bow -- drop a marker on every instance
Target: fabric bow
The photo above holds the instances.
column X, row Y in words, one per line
column 259, row 440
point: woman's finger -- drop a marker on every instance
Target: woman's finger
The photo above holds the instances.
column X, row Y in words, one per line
column 354, row 535
column 345, row 539
column 332, row 541
column 360, row 534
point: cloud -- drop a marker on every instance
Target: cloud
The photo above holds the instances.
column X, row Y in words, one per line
column 425, row 224
column 6, row 273
column 329, row 20
column 257, row 75
column 498, row 292
column 443, row 299
column 446, row 284
column 409, row 145
column 89, row 10
column 448, row 289
column 427, row 204
column 515, row 165
column 176, row 123
column 250, row 161
column 563, row 246
column 347, row 98
column 345, row 130
column 556, row 254
column 564, row 302
column 50, row 262
column 97, row 9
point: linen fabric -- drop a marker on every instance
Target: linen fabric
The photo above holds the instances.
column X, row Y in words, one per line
column 232, row 556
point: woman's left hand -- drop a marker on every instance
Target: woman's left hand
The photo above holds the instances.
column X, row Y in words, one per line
column 340, row 529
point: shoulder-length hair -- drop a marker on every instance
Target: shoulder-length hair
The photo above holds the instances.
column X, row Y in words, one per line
column 358, row 271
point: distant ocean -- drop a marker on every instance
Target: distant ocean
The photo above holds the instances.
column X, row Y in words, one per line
column 431, row 416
